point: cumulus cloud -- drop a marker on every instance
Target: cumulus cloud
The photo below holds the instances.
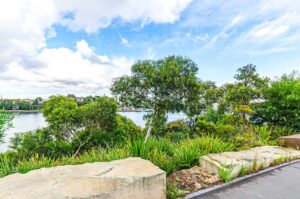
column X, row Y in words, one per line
column 95, row 14
column 25, row 26
column 22, row 26
column 69, row 70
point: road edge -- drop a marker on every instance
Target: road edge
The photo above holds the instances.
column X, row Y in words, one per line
column 206, row 191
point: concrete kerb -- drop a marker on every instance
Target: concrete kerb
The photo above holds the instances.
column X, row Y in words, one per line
column 216, row 188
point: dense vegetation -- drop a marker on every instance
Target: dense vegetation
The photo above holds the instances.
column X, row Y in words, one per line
column 252, row 111
column 26, row 105
column 5, row 123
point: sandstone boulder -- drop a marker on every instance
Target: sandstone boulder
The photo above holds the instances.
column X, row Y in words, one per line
column 291, row 141
column 128, row 179
column 253, row 159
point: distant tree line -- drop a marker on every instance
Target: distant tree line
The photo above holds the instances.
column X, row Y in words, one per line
column 19, row 104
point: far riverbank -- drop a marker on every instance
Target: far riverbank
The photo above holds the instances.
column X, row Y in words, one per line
column 20, row 111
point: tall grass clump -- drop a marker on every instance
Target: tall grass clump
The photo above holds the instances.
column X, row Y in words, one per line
column 167, row 155
column 6, row 166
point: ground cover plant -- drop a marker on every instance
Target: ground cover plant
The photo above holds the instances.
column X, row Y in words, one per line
column 167, row 155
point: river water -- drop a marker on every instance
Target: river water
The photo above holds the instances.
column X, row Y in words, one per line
column 24, row 122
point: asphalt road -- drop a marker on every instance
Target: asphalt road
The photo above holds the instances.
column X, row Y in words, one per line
column 282, row 183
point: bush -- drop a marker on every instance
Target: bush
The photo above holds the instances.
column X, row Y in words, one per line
column 177, row 130
column 167, row 155
column 125, row 129
column 223, row 131
column 254, row 136
column 282, row 103
column 39, row 142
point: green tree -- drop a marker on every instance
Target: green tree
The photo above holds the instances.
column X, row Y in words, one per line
column 281, row 104
column 163, row 86
column 61, row 114
column 248, row 88
column 5, row 123
column 204, row 96
column 100, row 115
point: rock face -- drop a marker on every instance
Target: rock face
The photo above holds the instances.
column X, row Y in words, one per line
column 253, row 159
column 128, row 179
column 291, row 141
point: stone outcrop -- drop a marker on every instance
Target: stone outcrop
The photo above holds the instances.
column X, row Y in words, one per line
column 253, row 159
column 127, row 179
column 192, row 179
column 291, row 141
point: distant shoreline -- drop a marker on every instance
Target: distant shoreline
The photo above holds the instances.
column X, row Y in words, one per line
column 39, row 111
column 20, row 111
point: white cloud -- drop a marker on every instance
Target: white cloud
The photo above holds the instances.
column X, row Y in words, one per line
column 22, row 26
column 67, row 71
column 95, row 14
column 25, row 26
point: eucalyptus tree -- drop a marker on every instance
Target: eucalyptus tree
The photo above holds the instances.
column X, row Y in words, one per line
column 247, row 88
column 163, row 86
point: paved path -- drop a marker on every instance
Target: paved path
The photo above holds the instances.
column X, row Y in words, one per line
column 282, row 183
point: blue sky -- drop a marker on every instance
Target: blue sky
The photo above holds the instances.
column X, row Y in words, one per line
column 60, row 47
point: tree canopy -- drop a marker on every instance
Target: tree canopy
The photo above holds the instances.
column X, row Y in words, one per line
column 281, row 104
column 165, row 85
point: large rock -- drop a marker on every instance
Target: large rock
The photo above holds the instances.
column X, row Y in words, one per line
column 128, row 179
column 253, row 159
column 291, row 141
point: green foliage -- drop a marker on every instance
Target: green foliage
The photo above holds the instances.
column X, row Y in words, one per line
column 282, row 102
column 173, row 192
column 225, row 173
column 249, row 87
column 167, row 155
column 100, row 115
column 60, row 112
column 187, row 154
column 74, row 128
column 264, row 134
column 203, row 97
column 222, row 131
column 5, row 123
column 177, row 130
column 162, row 86
column 244, row 171
column 9, row 105
column 278, row 131
column 254, row 136
column 40, row 142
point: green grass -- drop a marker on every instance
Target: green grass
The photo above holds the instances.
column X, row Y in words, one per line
column 225, row 173
column 244, row 171
column 172, row 192
column 167, row 155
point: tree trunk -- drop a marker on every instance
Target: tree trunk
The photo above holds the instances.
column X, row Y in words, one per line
column 148, row 131
column 78, row 150
column 81, row 145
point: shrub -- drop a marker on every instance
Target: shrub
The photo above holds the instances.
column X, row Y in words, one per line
column 167, row 155
column 177, row 130
column 282, row 103
column 39, row 142
column 225, row 173
column 223, row 131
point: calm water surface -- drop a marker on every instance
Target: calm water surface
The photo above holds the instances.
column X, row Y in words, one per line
column 24, row 122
